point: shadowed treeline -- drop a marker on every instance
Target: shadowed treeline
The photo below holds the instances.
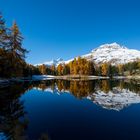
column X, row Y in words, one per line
column 84, row 88
column 12, row 114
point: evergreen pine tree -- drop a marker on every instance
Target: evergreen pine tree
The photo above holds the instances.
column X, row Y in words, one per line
column 2, row 32
column 16, row 51
column 16, row 43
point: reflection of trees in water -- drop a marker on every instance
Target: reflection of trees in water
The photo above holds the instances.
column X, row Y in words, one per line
column 13, row 118
column 63, row 85
column 104, row 86
column 108, row 85
column 84, row 88
column 132, row 85
column 44, row 85
column 12, row 115
column 77, row 88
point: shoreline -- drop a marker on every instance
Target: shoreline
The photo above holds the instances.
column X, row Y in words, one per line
column 81, row 77
column 6, row 82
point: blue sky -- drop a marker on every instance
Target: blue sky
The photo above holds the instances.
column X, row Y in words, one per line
column 69, row 28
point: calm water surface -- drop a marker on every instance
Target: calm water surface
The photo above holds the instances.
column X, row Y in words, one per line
column 70, row 110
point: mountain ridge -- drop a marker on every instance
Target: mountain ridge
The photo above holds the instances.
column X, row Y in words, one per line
column 107, row 53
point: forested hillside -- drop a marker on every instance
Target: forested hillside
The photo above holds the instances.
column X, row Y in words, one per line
column 82, row 66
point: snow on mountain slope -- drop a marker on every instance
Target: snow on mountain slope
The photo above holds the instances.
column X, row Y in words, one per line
column 113, row 53
column 52, row 62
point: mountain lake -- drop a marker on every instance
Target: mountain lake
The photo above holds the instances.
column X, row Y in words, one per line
column 71, row 110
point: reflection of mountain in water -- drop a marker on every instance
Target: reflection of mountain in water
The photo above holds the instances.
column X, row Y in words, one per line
column 110, row 95
column 116, row 99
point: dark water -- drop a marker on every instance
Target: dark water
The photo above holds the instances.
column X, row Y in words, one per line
column 70, row 110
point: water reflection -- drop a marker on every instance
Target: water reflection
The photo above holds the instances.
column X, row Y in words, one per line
column 108, row 94
column 114, row 95
column 12, row 115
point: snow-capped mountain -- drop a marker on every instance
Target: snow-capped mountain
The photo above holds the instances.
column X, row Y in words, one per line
column 52, row 62
column 113, row 53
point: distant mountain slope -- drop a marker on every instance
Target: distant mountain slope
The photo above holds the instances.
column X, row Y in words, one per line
column 52, row 62
column 113, row 53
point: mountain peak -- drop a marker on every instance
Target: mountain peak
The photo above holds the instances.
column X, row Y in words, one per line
column 52, row 62
column 110, row 46
column 59, row 59
column 114, row 44
column 114, row 54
